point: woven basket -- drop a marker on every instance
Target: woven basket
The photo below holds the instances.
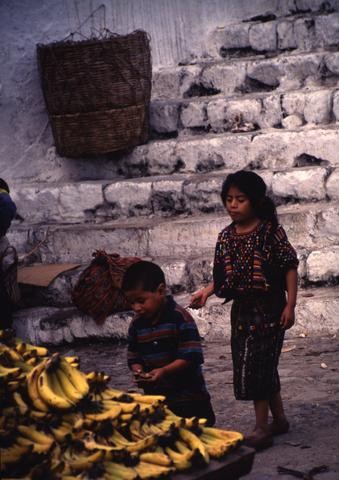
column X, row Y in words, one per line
column 97, row 92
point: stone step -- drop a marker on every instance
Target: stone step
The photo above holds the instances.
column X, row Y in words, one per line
column 311, row 227
column 246, row 112
column 185, row 274
column 286, row 71
column 316, row 314
column 163, row 196
column 303, row 31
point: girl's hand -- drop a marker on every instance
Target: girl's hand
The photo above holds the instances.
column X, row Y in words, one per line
column 199, row 298
column 287, row 317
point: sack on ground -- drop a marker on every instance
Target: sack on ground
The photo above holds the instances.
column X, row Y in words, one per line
column 9, row 274
column 98, row 291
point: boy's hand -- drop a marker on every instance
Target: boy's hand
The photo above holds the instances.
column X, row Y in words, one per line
column 287, row 317
column 153, row 376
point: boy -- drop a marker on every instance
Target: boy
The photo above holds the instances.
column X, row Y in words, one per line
column 164, row 349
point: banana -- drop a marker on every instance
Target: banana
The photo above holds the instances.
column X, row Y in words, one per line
column 37, row 447
column 47, row 390
column 156, row 458
column 111, row 414
column 194, row 442
column 13, row 454
column 35, row 435
column 228, row 435
column 62, row 433
column 75, row 376
column 10, row 352
column 67, row 386
column 150, row 399
column 32, row 387
column 22, row 405
column 9, row 372
column 85, row 462
column 148, row 471
column 117, row 471
column 135, row 429
column 132, row 407
column 182, row 447
column 73, row 359
column 181, row 461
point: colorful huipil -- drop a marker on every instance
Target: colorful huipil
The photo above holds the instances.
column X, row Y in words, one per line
column 251, row 268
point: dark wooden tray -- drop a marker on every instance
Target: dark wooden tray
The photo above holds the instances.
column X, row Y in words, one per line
column 236, row 464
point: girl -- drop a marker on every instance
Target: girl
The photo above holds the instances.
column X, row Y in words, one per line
column 254, row 264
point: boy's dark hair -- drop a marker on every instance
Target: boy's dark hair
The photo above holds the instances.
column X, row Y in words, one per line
column 4, row 185
column 144, row 275
column 254, row 187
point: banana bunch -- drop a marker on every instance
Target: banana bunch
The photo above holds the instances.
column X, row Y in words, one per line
column 59, row 423
column 55, row 383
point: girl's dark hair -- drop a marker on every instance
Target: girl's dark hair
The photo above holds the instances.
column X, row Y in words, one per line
column 144, row 275
column 4, row 185
column 254, row 187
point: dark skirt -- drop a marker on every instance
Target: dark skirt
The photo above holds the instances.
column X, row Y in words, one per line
column 257, row 339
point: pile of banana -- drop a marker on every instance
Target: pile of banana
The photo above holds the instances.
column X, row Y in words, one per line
column 59, row 423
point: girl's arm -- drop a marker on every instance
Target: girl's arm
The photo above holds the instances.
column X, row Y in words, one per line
column 199, row 298
column 287, row 316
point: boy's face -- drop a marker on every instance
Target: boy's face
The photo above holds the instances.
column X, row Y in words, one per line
column 145, row 303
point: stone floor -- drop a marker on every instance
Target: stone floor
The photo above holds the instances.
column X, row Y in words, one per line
column 310, row 387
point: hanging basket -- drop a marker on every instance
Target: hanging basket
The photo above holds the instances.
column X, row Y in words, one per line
column 97, row 92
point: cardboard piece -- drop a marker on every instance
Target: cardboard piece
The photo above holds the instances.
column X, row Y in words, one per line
column 42, row 275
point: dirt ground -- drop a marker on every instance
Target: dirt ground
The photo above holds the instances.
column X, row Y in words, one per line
column 310, row 389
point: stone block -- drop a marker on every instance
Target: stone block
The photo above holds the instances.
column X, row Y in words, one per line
column 263, row 36
column 37, row 203
column 335, row 107
column 249, row 110
column 332, row 185
column 271, row 114
column 76, row 198
column 230, row 37
column 317, row 107
column 323, row 265
column 204, row 196
column 216, row 114
column 176, row 275
column 285, row 33
column 299, row 71
column 226, row 78
column 292, row 122
column 304, row 33
column 293, row 103
column 327, row 29
column 328, row 224
column 268, row 73
column 193, row 114
column 332, row 62
column 168, row 198
column 166, row 83
column 161, row 158
column 164, row 117
column 129, row 198
column 300, row 184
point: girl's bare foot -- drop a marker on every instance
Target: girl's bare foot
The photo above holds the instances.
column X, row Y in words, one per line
column 279, row 426
column 259, row 439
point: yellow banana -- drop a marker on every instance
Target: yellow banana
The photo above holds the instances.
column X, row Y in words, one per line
column 13, row 454
column 194, row 442
column 62, row 433
column 35, row 435
column 47, row 390
column 85, row 462
column 156, row 458
column 228, row 435
column 73, row 359
column 22, row 405
column 111, row 414
column 37, row 447
column 9, row 372
column 148, row 471
column 67, row 386
column 32, row 387
column 151, row 399
column 181, row 461
column 117, row 471
column 75, row 376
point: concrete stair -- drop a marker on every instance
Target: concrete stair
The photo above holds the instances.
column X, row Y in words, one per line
column 316, row 314
column 265, row 97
